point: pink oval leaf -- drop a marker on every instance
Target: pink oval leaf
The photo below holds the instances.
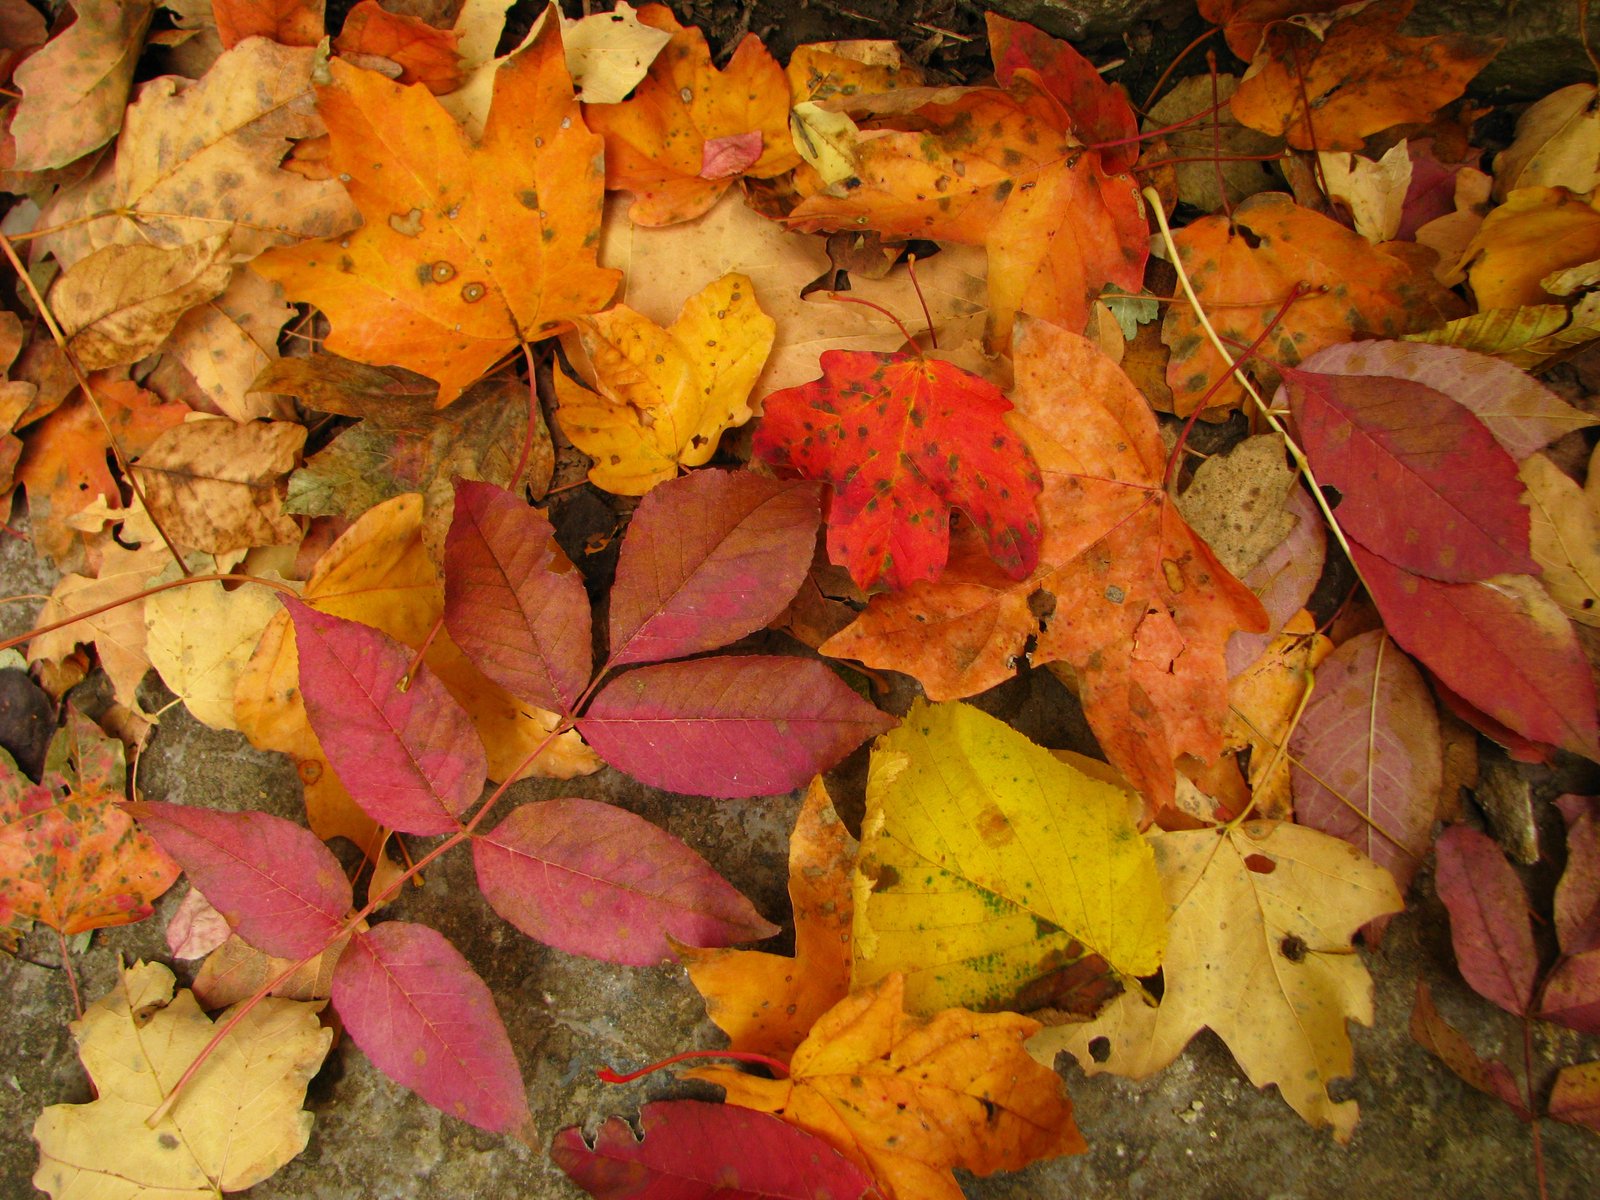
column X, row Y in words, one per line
column 411, row 759
column 512, row 600
column 1284, row 580
column 730, row 155
column 1572, row 993
column 692, row 1150
column 710, row 557
column 599, row 881
column 273, row 881
column 1577, row 908
column 426, row 1020
column 1502, row 645
column 731, row 727
column 1489, row 924
column 1367, row 756
column 1425, row 483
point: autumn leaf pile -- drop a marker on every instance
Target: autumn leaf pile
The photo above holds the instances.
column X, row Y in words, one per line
column 300, row 330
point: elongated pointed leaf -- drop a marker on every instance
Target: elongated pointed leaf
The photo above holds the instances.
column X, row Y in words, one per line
column 1489, row 924
column 513, row 601
column 689, row 1149
column 599, row 881
column 426, row 1020
column 273, row 881
column 1577, row 908
column 1572, row 993
column 709, row 557
column 1425, row 483
column 750, row 726
column 1436, row 1035
column 411, row 759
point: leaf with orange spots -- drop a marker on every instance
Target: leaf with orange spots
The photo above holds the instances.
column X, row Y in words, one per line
column 468, row 250
column 690, row 129
column 1244, row 270
column 1125, row 593
column 903, row 439
column 766, row 1002
column 909, row 1098
column 1328, row 89
column 424, row 54
column 70, row 857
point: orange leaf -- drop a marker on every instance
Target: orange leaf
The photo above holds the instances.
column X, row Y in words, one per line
column 424, row 54
column 1126, row 593
column 1246, row 21
column 1359, row 77
column 467, row 250
column 1057, row 228
column 691, row 129
column 1536, row 232
column 1243, row 272
column 911, row 1097
column 69, row 856
column 766, row 1003
column 287, row 22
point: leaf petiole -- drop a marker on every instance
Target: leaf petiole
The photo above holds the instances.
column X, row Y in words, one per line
column 607, row 1075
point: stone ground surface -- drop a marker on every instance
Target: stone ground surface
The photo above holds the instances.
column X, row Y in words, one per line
column 1197, row 1130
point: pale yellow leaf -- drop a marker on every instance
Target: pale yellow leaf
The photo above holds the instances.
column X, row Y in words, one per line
column 826, row 139
column 1564, row 537
column 608, row 53
column 1557, row 144
column 1373, row 191
column 200, row 637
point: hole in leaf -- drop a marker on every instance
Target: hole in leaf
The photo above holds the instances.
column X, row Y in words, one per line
column 1100, row 1049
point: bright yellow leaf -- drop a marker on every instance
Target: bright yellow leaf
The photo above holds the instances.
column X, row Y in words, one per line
column 986, row 863
column 665, row 395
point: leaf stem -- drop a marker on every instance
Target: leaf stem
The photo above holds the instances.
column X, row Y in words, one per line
column 607, row 1075
column 404, row 682
column 1175, row 63
column 72, row 975
column 1533, row 1114
column 843, row 299
column 1155, row 133
column 916, row 286
column 533, row 411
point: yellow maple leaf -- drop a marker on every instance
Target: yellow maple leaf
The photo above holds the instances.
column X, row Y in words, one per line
column 1262, row 917
column 665, row 395
column 240, row 1118
column 911, row 1097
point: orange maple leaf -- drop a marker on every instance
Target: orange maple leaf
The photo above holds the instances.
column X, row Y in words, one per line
column 911, row 1097
column 1002, row 170
column 1126, row 593
column 467, row 251
column 690, row 129
column 424, row 54
column 766, row 1003
column 287, row 22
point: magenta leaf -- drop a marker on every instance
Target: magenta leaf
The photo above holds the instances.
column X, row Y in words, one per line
column 426, row 1020
column 731, row 727
column 512, row 600
column 1578, row 893
column 1501, row 645
column 1489, row 924
column 1424, row 482
column 1572, row 993
column 693, row 1150
column 1367, row 757
column 598, row 881
column 411, row 759
column 710, row 557
column 273, row 881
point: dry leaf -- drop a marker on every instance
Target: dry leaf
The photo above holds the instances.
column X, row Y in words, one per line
column 200, row 637
column 609, row 53
column 1557, row 144
column 1564, row 536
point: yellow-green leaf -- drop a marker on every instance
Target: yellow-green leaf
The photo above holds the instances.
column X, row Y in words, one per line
column 987, row 863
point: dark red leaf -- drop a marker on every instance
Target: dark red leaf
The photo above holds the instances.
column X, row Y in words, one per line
column 692, row 1150
column 1578, row 893
column 1425, row 483
column 426, row 1020
column 1517, row 747
column 1572, row 993
column 903, row 439
column 273, row 881
column 709, row 557
column 513, row 601
column 1489, row 923
column 411, row 759
column 599, row 881
column 1502, row 645
column 750, row 726
column 1433, row 1033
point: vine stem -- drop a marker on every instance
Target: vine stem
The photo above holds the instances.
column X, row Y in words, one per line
column 1533, row 1115
column 351, row 924
column 607, row 1075
column 1153, row 199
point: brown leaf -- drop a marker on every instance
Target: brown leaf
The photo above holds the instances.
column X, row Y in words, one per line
column 218, row 486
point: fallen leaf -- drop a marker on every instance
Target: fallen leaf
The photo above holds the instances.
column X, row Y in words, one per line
column 218, row 486
column 424, row 54
column 289, row 22
column 1245, row 22
column 1535, row 233
column 664, row 144
column 1577, row 901
column 1239, row 502
column 824, row 70
column 665, row 395
column 1372, row 191
column 195, row 929
column 1328, row 90
column 1489, row 923
column 472, row 249
column 987, row 864
column 74, row 89
column 1557, row 144
column 1368, row 760
column 236, row 970
column 908, row 1097
column 1564, row 537
column 240, row 1119
column 1435, row 1035
column 1258, row 951
column 609, row 53
column 903, row 439
column 1575, row 1097
column 1570, row 996
column 1266, row 703
column 1284, row 580
column 200, row 637
column 1244, row 269
column 1530, row 337
column 227, row 342
column 766, row 1003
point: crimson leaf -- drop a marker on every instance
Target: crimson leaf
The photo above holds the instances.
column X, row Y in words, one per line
column 1489, row 924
